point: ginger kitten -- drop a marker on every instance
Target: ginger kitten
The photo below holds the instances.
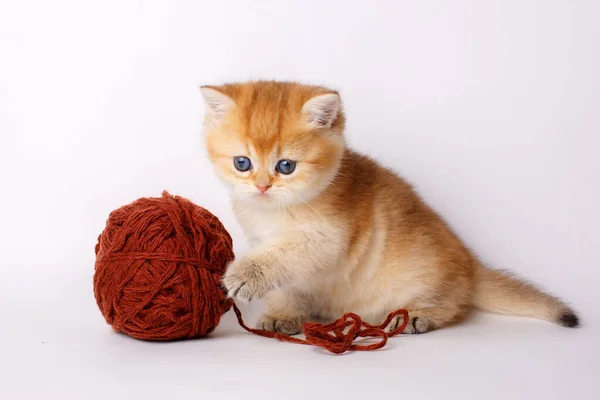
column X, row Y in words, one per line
column 331, row 230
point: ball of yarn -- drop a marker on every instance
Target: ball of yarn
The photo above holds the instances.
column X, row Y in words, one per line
column 158, row 271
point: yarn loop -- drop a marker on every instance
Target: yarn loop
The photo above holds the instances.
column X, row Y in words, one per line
column 332, row 337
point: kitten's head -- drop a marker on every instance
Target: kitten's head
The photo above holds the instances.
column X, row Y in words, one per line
column 274, row 143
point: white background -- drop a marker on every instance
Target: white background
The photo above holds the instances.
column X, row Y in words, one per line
column 490, row 108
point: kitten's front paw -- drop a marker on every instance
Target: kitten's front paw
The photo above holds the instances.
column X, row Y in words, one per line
column 285, row 325
column 245, row 280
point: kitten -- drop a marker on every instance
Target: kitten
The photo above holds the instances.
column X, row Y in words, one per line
column 331, row 230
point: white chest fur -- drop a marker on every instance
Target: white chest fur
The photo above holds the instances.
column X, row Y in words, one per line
column 264, row 225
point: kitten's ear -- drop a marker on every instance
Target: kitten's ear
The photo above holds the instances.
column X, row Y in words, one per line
column 217, row 103
column 322, row 110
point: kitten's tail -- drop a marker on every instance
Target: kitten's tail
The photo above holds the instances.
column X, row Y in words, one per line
column 500, row 293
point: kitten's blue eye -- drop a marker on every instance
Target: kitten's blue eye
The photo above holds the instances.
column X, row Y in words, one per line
column 242, row 163
column 286, row 167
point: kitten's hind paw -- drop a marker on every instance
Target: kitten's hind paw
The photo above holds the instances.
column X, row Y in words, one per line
column 416, row 324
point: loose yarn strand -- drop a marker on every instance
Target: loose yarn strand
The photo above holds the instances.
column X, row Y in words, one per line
column 331, row 337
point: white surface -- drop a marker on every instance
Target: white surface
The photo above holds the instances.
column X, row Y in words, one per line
column 489, row 108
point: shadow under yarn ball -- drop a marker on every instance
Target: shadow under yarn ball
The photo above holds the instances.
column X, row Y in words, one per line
column 159, row 264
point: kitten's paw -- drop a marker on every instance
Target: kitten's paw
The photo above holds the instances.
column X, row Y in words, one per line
column 245, row 280
column 416, row 324
column 287, row 326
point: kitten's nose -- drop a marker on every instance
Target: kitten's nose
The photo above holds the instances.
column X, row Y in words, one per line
column 263, row 189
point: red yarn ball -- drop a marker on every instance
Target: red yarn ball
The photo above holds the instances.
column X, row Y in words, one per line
column 159, row 265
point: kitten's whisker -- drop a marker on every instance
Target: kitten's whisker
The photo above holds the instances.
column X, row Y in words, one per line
column 305, row 202
column 293, row 207
column 279, row 205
